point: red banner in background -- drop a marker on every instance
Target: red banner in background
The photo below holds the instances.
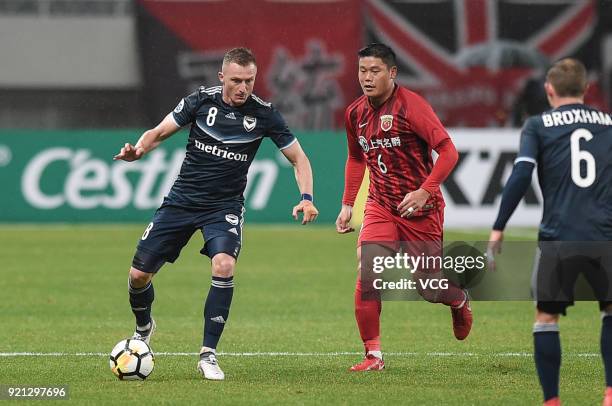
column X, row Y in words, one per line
column 480, row 63
column 472, row 58
column 306, row 52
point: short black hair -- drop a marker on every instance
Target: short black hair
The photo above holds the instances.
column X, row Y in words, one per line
column 241, row 56
column 382, row 51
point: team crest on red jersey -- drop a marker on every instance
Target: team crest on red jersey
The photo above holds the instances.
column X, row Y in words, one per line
column 386, row 122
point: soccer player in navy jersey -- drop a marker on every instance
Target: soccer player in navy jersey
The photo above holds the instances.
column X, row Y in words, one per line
column 392, row 131
column 571, row 145
column 228, row 123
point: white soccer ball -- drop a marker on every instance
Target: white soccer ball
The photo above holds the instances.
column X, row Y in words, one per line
column 132, row 360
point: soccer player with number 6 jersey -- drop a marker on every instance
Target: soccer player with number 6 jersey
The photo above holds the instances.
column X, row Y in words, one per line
column 571, row 145
column 392, row 131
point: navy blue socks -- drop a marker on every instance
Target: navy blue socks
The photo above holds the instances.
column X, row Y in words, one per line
column 216, row 309
column 606, row 346
column 547, row 355
column 141, row 300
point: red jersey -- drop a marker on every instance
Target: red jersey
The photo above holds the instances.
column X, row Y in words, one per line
column 396, row 140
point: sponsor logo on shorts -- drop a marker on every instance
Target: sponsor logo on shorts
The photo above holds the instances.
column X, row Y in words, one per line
column 232, row 219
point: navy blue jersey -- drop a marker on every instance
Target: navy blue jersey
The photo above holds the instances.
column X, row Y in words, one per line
column 572, row 148
column 222, row 143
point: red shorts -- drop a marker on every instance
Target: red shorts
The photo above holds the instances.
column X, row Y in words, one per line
column 381, row 225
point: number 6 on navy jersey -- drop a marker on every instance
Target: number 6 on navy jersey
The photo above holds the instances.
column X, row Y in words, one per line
column 578, row 155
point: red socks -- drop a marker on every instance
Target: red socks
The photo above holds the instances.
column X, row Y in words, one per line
column 367, row 313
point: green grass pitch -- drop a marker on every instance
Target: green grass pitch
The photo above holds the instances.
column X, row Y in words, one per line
column 291, row 335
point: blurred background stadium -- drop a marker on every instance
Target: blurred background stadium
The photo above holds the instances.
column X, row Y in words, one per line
column 79, row 78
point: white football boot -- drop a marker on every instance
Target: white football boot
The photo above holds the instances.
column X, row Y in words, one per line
column 209, row 368
column 145, row 335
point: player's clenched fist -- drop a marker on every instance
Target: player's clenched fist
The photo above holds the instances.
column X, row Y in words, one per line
column 129, row 153
column 309, row 210
column 344, row 218
column 412, row 202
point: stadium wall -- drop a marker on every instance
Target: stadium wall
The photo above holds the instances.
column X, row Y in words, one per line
column 69, row 176
column 69, row 53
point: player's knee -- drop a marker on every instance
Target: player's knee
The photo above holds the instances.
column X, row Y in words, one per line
column 223, row 265
column 139, row 279
column 546, row 318
column 147, row 263
column 429, row 294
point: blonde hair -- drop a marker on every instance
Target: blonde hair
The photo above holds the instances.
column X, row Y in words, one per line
column 241, row 56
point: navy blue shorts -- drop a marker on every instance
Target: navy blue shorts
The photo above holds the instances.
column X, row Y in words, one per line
column 566, row 271
column 172, row 227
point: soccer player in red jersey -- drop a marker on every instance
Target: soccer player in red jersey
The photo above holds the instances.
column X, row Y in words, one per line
column 393, row 131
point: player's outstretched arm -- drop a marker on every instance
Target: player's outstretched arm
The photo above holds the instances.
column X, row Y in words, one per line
column 515, row 189
column 303, row 176
column 148, row 141
column 447, row 159
column 354, row 170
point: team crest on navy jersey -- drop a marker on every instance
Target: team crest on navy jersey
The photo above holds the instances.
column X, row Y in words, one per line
column 222, row 145
column 249, row 123
column 364, row 144
column 386, row 122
